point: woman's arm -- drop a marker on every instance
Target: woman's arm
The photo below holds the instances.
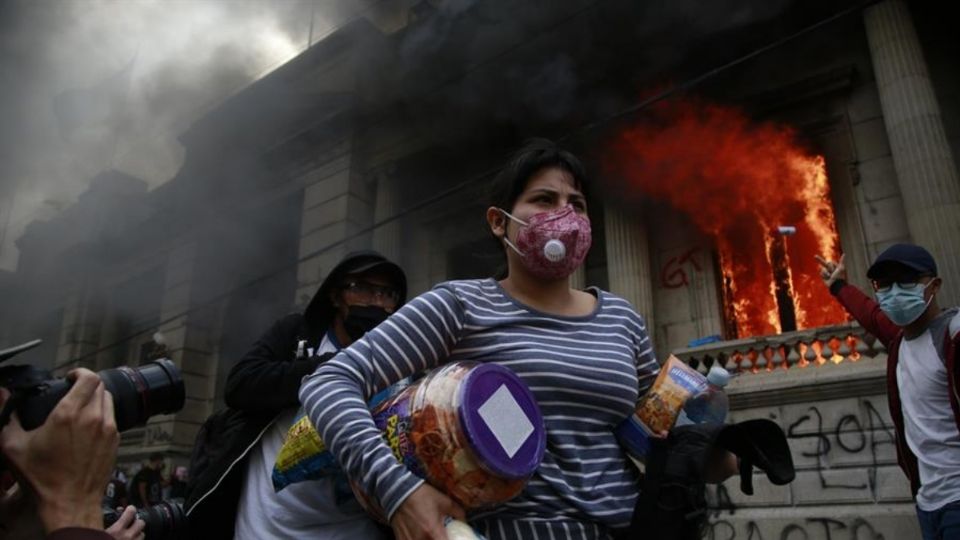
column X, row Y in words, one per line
column 418, row 337
column 646, row 359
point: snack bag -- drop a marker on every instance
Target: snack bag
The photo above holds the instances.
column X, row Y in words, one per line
column 657, row 411
column 304, row 456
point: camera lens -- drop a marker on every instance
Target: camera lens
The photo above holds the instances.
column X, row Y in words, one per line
column 139, row 393
column 162, row 521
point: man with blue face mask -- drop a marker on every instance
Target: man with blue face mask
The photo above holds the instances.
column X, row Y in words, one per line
column 922, row 379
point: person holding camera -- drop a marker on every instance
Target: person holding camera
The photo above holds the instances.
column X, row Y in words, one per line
column 230, row 493
column 62, row 466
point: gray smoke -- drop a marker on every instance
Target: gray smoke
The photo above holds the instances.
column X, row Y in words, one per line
column 98, row 84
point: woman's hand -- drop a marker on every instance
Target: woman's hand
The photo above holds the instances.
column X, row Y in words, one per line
column 421, row 515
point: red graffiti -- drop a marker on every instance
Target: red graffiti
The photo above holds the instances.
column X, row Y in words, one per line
column 673, row 275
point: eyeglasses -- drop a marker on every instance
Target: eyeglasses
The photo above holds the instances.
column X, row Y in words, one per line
column 885, row 285
column 368, row 292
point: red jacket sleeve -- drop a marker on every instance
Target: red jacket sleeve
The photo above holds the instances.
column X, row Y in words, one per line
column 866, row 311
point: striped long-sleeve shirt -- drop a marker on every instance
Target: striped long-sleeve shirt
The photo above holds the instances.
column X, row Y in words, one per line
column 585, row 372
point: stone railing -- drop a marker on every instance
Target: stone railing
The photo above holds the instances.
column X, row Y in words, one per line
column 791, row 350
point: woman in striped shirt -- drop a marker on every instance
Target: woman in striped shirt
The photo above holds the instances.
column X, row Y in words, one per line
column 586, row 356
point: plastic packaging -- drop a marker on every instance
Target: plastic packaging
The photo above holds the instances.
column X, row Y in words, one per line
column 304, row 456
column 472, row 430
column 458, row 530
column 657, row 411
column 712, row 404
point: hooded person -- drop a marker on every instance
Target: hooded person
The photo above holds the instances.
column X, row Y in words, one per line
column 230, row 493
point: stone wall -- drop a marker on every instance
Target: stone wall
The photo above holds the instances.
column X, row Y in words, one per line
column 838, row 425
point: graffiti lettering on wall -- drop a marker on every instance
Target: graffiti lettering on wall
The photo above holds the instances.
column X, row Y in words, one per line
column 673, row 274
column 156, row 434
column 851, row 436
column 821, row 528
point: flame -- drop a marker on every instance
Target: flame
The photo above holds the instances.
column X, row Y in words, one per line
column 836, row 357
column 852, row 342
column 738, row 180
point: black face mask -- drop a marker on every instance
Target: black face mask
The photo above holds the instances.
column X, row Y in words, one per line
column 362, row 319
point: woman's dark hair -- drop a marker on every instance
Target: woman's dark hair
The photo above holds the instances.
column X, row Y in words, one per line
column 534, row 156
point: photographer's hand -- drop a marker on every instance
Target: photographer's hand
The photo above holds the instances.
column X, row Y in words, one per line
column 128, row 527
column 65, row 463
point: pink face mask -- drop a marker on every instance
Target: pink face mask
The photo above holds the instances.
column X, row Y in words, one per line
column 552, row 244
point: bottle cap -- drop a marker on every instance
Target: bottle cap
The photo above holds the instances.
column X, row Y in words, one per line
column 718, row 376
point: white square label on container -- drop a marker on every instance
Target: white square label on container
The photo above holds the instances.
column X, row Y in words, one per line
column 506, row 420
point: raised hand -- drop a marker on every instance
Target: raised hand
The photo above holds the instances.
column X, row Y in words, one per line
column 831, row 271
column 129, row 526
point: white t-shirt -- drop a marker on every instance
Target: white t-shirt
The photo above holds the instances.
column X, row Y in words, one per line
column 315, row 509
column 929, row 424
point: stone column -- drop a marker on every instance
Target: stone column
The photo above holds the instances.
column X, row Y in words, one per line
column 80, row 333
column 387, row 238
column 628, row 261
column 337, row 203
column 190, row 345
column 926, row 171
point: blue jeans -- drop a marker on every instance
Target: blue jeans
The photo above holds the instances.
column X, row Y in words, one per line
column 942, row 523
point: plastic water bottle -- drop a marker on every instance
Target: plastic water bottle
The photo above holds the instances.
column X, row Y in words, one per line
column 711, row 405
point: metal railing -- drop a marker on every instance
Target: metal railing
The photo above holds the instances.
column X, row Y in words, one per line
column 814, row 347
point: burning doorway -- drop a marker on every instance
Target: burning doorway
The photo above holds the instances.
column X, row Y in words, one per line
column 761, row 199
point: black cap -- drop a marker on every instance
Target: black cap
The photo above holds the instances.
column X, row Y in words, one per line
column 377, row 263
column 911, row 256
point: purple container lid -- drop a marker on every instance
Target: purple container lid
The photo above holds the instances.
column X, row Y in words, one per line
column 502, row 421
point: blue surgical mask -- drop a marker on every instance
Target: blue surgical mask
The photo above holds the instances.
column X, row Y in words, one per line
column 903, row 306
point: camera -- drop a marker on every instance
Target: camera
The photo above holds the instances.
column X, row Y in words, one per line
column 138, row 393
column 164, row 520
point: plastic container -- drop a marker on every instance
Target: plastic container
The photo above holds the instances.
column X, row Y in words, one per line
column 712, row 404
column 658, row 409
column 472, row 430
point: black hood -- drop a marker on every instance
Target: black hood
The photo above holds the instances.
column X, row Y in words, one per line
column 320, row 311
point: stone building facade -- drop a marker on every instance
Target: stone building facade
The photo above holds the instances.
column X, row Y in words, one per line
column 383, row 134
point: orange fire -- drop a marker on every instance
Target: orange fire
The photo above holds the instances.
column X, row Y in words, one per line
column 738, row 181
